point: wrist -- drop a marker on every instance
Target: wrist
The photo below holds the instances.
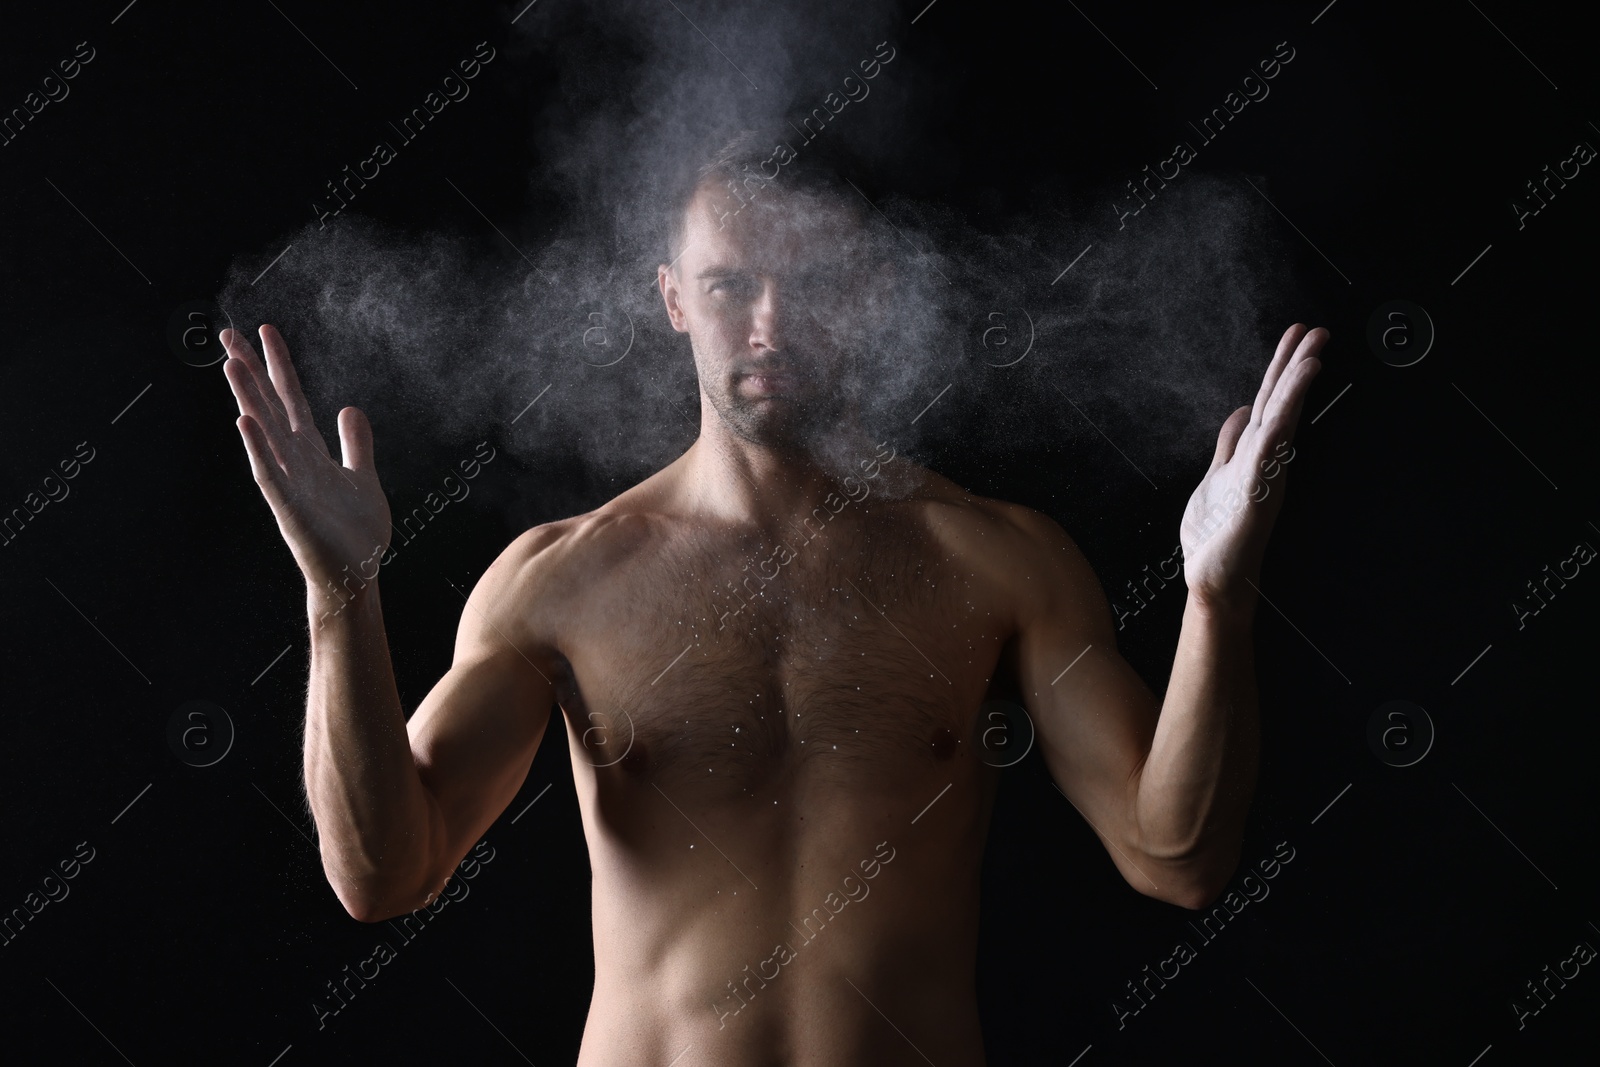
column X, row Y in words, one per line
column 330, row 599
column 1233, row 607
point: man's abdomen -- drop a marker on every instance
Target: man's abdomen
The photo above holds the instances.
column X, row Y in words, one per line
column 841, row 931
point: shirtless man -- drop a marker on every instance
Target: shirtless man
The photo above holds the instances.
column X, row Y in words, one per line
column 771, row 676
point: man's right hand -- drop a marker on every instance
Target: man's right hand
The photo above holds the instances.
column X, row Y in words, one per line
column 332, row 517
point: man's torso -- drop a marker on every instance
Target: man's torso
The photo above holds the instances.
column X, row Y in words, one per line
column 782, row 772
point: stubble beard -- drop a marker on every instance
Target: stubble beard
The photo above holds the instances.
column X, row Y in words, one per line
column 792, row 424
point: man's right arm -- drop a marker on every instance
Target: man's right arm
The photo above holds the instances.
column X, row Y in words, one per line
column 398, row 805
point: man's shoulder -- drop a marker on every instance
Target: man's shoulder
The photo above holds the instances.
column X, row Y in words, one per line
column 550, row 575
column 547, row 557
column 1000, row 528
column 1025, row 553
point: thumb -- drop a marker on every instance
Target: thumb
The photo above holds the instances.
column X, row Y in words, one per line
column 355, row 438
column 1228, row 437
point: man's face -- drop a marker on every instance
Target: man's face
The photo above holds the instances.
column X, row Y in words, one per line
column 771, row 295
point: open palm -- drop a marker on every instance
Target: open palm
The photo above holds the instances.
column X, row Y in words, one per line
column 334, row 518
column 1230, row 515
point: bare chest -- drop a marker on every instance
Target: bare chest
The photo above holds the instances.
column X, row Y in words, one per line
column 856, row 654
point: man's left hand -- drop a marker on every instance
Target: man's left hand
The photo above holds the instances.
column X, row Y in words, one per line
column 1230, row 515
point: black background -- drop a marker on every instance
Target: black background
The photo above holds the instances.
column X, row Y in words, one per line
column 1423, row 500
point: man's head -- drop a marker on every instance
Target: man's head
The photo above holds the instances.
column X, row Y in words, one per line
column 771, row 276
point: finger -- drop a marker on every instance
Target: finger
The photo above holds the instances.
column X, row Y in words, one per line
column 355, row 439
column 1228, row 436
column 268, row 474
column 1287, row 346
column 1283, row 411
column 239, row 347
column 248, row 396
column 266, row 407
column 284, row 378
column 1286, row 408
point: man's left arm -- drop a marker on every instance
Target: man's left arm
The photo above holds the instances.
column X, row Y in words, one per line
column 1197, row 781
column 1166, row 784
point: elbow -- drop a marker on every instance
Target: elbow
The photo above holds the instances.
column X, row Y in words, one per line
column 1198, row 896
column 361, row 904
column 1189, row 894
column 378, row 883
column 364, row 910
column 376, row 899
column 364, row 914
column 1196, row 882
column 372, row 907
column 1192, row 894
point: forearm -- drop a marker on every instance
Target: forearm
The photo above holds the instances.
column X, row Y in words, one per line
column 1194, row 788
column 372, row 812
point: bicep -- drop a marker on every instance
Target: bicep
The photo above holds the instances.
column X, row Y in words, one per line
column 476, row 733
column 1094, row 715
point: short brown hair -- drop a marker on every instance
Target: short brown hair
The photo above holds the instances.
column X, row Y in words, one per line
column 815, row 166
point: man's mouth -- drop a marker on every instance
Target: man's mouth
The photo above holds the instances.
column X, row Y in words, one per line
column 768, row 383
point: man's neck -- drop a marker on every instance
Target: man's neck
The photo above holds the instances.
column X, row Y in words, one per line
column 771, row 488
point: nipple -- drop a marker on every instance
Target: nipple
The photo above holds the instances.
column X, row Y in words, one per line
column 637, row 761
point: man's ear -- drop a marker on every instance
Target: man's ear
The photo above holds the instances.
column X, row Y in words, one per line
column 667, row 282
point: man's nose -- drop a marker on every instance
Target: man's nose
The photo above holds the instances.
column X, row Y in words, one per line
column 769, row 317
